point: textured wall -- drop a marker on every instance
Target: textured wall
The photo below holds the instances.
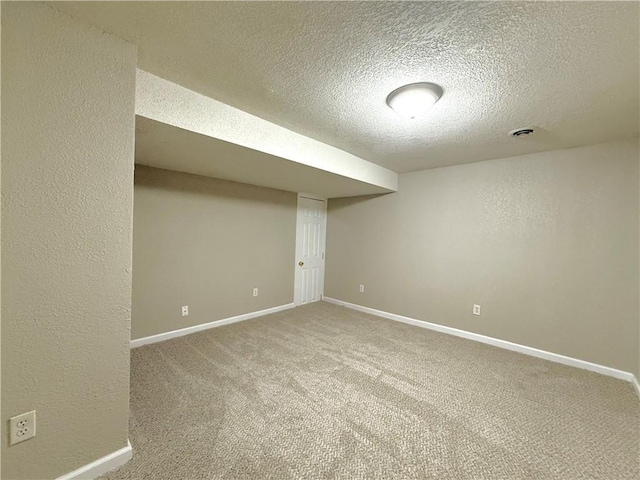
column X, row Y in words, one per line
column 546, row 243
column 68, row 96
column 207, row 243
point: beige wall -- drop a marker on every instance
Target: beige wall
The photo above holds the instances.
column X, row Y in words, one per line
column 546, row 243
column 67, row 192
column 207, row 243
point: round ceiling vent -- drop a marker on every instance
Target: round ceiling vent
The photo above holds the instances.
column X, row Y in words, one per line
column 521, row 132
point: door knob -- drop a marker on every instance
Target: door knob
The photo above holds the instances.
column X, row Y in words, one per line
column 301, row 263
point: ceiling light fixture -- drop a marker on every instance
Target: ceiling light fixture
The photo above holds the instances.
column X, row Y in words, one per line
column 413, row 100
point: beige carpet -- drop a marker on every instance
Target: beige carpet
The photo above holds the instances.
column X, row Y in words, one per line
column 326, row 392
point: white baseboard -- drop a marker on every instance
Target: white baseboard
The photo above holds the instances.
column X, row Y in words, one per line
column 101, row 466
column 161, row 337
column 534, row 352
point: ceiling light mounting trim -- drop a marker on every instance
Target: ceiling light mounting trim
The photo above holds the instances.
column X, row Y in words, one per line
column 414, row 99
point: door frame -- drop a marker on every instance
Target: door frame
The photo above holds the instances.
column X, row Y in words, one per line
column 297, row 291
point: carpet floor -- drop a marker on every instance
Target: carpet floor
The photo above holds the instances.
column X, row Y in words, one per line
column 326, row 392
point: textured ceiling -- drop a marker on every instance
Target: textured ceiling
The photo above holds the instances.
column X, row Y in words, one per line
column 323, row 69
column 159, row 145
column 175, row 106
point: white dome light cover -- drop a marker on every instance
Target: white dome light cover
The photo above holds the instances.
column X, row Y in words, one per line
column 413, row 100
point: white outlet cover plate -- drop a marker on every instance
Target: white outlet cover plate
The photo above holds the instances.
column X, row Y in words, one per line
column 22, row 427
column 476, row 309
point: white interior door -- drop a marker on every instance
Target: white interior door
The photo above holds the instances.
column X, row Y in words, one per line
column 310, row 242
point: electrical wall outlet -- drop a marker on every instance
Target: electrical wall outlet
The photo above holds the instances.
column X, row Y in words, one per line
column 361, row 288
column 22, row 427
column 476, row 309
column 255, row 292
column 185, row 310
